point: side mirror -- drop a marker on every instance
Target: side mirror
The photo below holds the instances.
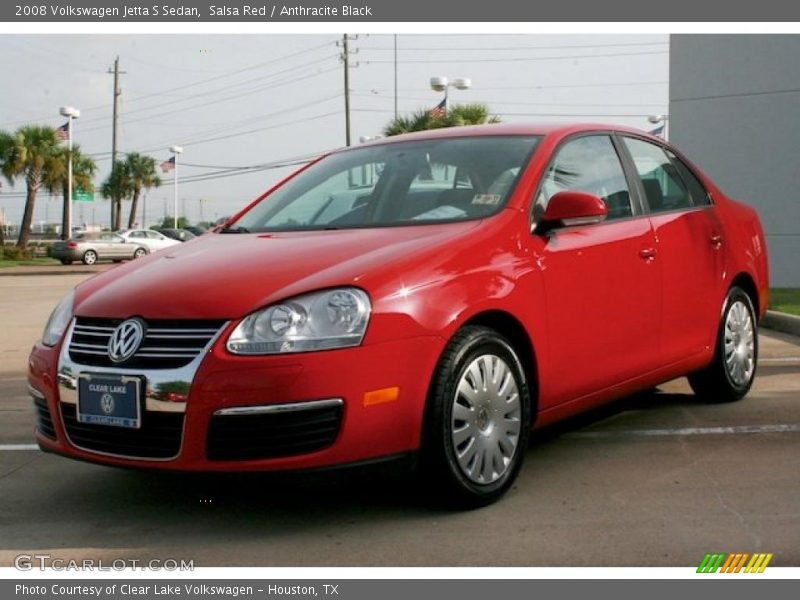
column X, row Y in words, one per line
column 572, row 207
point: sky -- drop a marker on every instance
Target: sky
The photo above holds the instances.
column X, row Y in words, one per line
column 240, row 104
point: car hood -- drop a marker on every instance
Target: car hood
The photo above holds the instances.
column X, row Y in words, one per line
column 225, row 276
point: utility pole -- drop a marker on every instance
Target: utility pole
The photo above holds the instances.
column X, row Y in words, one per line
column 395, row 75
column 117, row 92
column 345, row 58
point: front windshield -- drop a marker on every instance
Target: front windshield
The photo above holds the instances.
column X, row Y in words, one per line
column 405, row 183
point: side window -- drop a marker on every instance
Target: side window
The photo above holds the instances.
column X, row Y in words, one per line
column 663, row 186
column 588, row 164
column 698, row 193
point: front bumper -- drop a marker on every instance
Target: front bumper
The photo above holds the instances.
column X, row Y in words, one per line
column 365, row 429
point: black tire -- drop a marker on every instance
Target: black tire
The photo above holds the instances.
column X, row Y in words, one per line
column 89, row 257
column 66, row 261
column 718, row 382
column 445, row 479
column 139, row 253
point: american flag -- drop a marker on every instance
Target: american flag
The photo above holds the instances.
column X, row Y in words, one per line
column 62, row 133
column 168, row 165
column 440, row 110
column 658, row 131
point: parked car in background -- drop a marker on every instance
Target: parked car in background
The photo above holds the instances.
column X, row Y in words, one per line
column 196, row 230
column 182, row 235
column 431, row 297
column 151, row 239
column 89, row 248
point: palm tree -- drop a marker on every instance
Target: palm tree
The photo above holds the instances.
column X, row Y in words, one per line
column 32, row 153
column 470, row 114
column 458, row 115
column 83, row 170
column 116, row 187
column 6, row 143
column 142, row 173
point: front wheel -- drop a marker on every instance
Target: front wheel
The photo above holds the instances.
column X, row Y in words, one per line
column 730, row 375
column 478, row 420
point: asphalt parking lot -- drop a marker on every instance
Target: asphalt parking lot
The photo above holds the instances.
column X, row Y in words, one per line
column 655, row 480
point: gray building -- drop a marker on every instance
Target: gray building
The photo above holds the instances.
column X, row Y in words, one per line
column 734, row 108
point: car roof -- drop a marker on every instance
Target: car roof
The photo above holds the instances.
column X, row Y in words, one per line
column 538, row 129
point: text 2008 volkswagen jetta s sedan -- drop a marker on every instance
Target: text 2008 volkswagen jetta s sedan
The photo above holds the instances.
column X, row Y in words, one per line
column 435, row 295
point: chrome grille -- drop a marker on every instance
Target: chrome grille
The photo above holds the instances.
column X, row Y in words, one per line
column 166, row 345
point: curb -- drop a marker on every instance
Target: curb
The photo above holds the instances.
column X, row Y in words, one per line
column 18, row 272
column 782, row 322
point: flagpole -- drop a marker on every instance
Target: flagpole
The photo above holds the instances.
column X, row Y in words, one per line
column 71, row 114
column 175, row 151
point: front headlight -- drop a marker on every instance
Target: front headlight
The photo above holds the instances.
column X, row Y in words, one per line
column 59, row 320
column 324, row 320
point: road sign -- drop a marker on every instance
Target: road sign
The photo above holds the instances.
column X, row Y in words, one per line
column 81, row 196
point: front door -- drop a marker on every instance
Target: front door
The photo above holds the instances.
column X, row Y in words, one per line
column 602, row 282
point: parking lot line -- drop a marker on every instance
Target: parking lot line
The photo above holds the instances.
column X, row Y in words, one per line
column 682, row 431
column 17, row 447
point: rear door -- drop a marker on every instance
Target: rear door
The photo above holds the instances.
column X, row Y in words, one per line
column 689, row 248
column 602, row 283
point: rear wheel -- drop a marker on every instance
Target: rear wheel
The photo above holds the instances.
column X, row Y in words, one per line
column 89, row 257
column 139, row 253
column 478, row 420
column 730, row 375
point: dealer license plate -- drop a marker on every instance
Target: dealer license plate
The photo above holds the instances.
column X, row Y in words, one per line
column 109, row 400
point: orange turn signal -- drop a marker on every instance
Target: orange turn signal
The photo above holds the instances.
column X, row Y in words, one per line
column 381, row 396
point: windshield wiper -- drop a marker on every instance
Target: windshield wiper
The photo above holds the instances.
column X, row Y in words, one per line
column 238, row 229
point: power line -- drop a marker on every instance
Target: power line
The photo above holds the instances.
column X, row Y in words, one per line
column 507, row 102
column 502, row 48
column 541, row 87
column 239, row 94
column 516, row 58
column 188, row 85
column 219, row 100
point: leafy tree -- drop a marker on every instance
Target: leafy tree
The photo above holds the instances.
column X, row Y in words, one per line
column 142, row 173
column 168, row 222
column 457, row 116
column 83, row 171
column 30, row 153
column 117, row 186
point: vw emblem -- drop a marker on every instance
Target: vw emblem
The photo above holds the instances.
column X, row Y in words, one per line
column 125, row 340
column 107, row 403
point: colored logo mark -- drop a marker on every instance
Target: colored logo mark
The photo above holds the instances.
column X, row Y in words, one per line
column 734, row 563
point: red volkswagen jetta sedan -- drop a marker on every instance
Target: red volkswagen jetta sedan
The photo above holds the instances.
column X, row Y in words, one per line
column 435, row 295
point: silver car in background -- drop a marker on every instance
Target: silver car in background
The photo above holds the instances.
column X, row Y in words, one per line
column 91, row 247
column 151, row 239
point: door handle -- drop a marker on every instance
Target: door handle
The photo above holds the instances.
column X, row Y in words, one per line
column 648, row 253
column 716, row 240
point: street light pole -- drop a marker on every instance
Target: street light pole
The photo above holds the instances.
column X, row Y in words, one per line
column 175, row 151
column 658, row 119
column 443, row 84
column 71, row 113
